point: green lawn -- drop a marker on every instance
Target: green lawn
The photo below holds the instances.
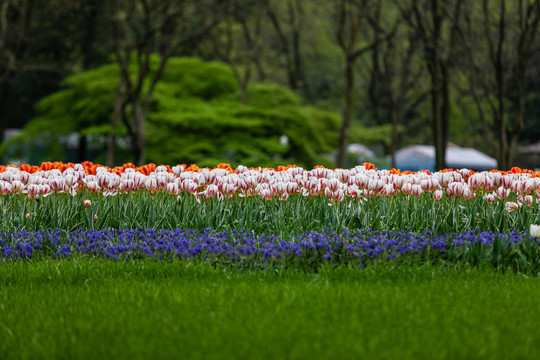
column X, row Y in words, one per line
column 96, row 309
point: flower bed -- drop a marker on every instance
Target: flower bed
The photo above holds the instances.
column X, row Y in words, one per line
column 257, row 216
column 287, row 199
column 308, row 250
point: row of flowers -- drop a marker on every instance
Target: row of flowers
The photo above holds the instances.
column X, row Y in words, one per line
column 241, row 246
column 361, row 182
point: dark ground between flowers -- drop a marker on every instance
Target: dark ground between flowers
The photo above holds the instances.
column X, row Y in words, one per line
column 96, row 308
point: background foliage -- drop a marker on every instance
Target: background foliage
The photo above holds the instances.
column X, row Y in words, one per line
column 243, row 73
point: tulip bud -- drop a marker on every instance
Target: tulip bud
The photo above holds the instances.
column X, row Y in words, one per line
column 95, row 218
column 87, row 203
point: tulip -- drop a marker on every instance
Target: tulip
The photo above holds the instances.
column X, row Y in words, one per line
column 406, row 188
column 291, row 188
column 241, row 169
column 534, row 231
column 339, row 196
column 527, row 187
column 456, row 189
column 45, row 190
column 226, row 189
column 87, row 203
column 329, row 193
column 387, row 190
column 70, row 180
column 468, row 194
column 332, row 184
column 266, row 194
column 151, row 184
column 139, row 180
column 25, row 177
column 362, row 181
column 251, row 181
column 103, row 180
column 375, row 185
column 476, row 181
column 32, row 190
column 211, row 191
column 417, row 190
column 511, row 206
column 177, row 170
column 437, row 195
column 5, row 187
column 503, row 193
column 17, row 187
column 172, row 188
column 279, row 188
column 344, row 175
column 93, row 186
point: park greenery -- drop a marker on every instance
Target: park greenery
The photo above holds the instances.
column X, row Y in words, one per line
column 222, row 250
column 223, row 81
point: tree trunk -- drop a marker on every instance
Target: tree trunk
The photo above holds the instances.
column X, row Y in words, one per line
column 434, row 66
column 117, row 113
column 347, row 116
column 140, row 140
column 499, row 76
column 445, row 112
column 394, row 142
column 87, row 48
column 81, row 149
column 3, row 118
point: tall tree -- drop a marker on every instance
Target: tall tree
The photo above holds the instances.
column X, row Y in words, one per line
column 350, row 19
column 14, row 23
column 438, row 36
column 237, row 42
column 288, row 29
column 142, row 29
column 91, row 9
column 395, row 73
column 498, row 53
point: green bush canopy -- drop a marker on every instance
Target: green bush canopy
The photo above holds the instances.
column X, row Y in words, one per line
column 195, row 117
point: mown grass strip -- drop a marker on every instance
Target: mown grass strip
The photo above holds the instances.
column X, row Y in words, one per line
column 79, row 308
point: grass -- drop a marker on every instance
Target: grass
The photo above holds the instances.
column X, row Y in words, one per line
column 296, row 214
column 84, row 308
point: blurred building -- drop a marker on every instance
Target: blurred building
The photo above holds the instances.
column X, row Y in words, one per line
column 422, row 157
